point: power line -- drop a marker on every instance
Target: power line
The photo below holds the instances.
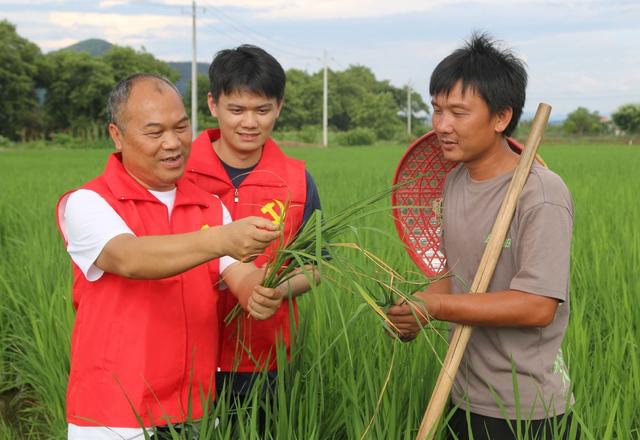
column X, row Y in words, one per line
column 235, row 40
column 244, row 29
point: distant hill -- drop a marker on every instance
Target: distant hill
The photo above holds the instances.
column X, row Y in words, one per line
column 97, row 47
column 184, row 69
column 93, row 46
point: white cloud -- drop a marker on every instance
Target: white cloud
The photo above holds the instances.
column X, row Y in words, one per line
column 34, row 2
column 111, row 3
column 342, row 9
column 119, row 28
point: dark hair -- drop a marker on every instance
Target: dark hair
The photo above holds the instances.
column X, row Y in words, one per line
column 119, row 94
column 498, row 76
column 246, row 68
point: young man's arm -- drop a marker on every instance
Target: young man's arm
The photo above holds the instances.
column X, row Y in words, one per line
column 243, row 280
column 301, row 281
column 161, row 256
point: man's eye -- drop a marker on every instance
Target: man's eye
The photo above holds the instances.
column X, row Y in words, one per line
column 154, row 134
column 236, row 111
column 181, row 128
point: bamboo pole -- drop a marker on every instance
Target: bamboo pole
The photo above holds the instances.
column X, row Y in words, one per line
column 462, row 333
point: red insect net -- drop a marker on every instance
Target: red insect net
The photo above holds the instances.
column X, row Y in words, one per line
column 417, row 204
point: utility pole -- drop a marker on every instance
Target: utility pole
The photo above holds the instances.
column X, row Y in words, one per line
column 325, row 101
column 194, row 74
column 409, row 112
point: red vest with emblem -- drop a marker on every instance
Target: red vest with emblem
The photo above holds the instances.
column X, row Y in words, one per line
column 148, row 346
column 277, row 181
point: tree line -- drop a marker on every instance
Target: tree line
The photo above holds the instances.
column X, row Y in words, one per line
column 65, row 92
column 582, row 122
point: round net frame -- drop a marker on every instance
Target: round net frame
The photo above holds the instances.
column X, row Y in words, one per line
column 417, row 204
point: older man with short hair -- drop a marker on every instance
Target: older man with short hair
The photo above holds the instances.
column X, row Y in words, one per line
column 149, row 250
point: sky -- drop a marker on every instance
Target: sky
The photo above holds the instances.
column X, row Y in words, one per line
column 578, row 52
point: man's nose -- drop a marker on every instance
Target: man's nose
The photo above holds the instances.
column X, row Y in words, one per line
column 249, row 119
column 171, row 140
column 442, row 123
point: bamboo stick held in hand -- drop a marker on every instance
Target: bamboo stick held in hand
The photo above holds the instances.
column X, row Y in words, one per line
column 490, row 257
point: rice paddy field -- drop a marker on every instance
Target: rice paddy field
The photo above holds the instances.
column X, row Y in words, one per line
column 349, row 380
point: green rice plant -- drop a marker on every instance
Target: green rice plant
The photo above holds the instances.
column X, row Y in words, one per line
column 319, row 235
column 343, row 380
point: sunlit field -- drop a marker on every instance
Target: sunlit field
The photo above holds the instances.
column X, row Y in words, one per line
column 349, row 379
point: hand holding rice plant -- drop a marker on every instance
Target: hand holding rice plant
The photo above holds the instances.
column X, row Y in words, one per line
column 264, row 302
column 364, row 273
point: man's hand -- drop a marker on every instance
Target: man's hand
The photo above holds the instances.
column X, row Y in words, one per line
column 247, row 238
column 408, row 317
column 264, row 302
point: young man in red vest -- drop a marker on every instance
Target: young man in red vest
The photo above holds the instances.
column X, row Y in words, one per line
column 146, row 246
column 241, row 164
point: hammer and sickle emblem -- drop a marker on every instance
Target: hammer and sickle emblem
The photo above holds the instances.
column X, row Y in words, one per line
column 269, row 209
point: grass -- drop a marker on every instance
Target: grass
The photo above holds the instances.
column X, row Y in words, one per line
column 349, row 378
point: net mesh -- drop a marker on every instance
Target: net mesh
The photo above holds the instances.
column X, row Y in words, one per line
column 417, row 204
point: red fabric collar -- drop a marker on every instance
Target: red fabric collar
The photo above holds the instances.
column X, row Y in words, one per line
column 268, row 170
column 125, row 187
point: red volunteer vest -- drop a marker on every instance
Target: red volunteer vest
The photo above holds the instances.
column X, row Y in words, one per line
column 277, row 180
column 147, row 344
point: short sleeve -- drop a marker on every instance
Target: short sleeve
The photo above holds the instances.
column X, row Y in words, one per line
column 542, row 251
column 312, row 200
column 226, row 260
column 88, row 223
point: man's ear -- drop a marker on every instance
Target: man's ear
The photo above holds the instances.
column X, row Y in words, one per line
column 213, row 107
column 502, row 119
column 116, row 136
column 279, row 108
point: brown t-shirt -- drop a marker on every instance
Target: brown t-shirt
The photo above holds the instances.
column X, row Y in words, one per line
column 534, row 259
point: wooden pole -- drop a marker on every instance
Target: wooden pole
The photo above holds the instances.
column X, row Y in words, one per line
column 462, row 333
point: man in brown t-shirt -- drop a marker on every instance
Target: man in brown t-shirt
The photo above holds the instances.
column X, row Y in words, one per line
column 513, row 369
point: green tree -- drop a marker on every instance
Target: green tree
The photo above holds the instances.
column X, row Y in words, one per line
column 358, row 99
column 351, row 93
column 77, row 92
column 21, row 65
column 417, row 103
column 302, row 102
column 78, row 84
column 627, row 118
column 205, row 120
column 125, row 61
column 379, row 112
column 583, row 122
